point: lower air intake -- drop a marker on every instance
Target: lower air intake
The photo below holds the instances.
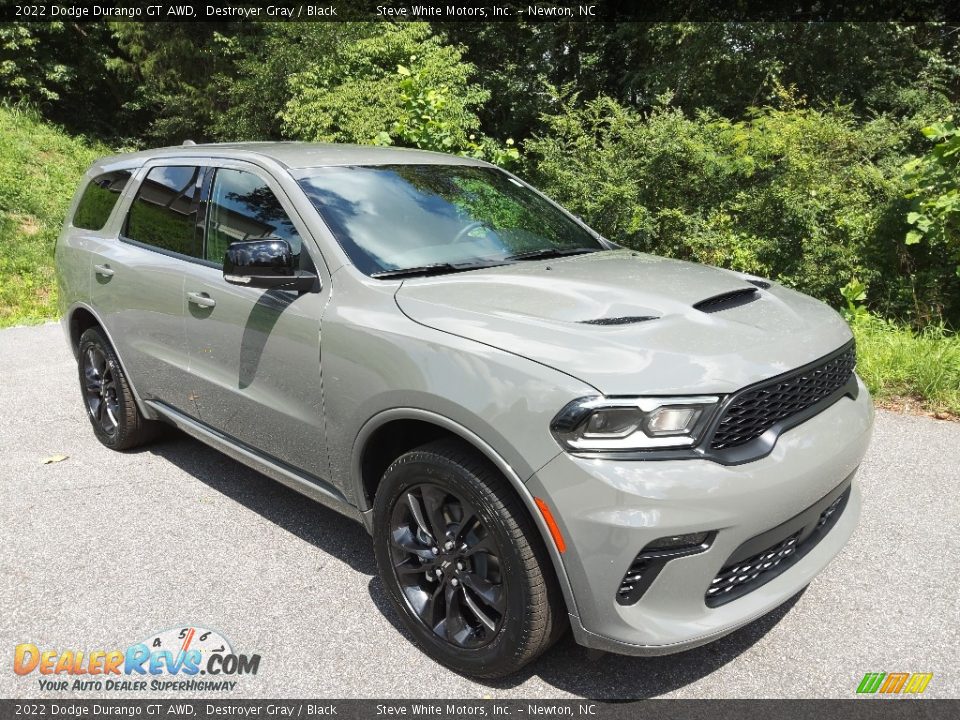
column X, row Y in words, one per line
column 738, row 578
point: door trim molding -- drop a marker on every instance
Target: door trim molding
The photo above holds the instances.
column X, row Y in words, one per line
column 313, row 487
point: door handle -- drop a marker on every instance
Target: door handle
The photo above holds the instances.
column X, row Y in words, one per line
column 104, row 270
column 201, row 299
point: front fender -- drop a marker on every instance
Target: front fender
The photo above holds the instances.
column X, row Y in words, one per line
column 515, row 480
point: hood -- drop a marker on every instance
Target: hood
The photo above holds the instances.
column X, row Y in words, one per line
column 629, row 323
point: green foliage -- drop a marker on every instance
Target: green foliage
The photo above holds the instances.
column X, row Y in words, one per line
column 174, row 71
column 422, row 121
column 357, row 94
column 61, row 68
column 902, row 366
column 855, row 294
column 811, row 197
column 934, row 180
column 27, row 72
column 730, row 67
column 424, row 124
column 40, row 167
column 905, row 70
column 255, row 89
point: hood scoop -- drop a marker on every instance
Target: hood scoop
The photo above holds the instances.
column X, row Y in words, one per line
column 626, row 320
column 727, row 300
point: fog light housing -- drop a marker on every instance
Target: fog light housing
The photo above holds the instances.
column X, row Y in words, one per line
column 648, row 563
column 679, row 541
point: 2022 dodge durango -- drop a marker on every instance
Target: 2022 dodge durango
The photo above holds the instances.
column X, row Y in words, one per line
column 539, row 428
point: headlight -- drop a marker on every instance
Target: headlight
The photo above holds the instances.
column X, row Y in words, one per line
column 597, row 424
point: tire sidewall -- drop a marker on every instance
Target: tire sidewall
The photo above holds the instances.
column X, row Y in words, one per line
column 419, row 467
column 93, row 338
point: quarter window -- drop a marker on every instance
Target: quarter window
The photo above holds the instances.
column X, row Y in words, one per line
column 243, row 207
column 164, row 213
column 98, row 200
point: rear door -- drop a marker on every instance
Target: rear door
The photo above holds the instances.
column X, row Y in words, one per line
column 255, row 354
column 137, row 285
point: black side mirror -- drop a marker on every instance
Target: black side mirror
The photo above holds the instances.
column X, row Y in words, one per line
column 265, row 263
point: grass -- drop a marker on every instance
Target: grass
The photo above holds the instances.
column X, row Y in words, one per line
column 910, row 370
column 40, row 167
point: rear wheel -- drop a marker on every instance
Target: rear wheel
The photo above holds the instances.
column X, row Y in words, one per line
column 463, row 563
column 111, row 409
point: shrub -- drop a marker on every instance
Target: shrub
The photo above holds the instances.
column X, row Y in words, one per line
column 810, row 197
column 358, row 94
column 935, row 190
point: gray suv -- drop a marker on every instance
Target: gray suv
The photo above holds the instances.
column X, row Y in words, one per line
column 539, row 428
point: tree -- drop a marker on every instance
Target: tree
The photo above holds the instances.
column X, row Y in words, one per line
column 356, row 94
column 62, row 70
column 176, row 70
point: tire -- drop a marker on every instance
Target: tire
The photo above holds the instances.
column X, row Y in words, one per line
column 111, row 409
column 494, row 603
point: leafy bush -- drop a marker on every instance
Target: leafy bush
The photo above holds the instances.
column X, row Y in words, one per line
column 423, row 124
column 357, row 94
column 935, row 182
column 810, row 197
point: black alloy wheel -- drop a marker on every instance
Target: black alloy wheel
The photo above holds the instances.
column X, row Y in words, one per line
column 111, row 407
column 100, row 390
column 448, row 565
column 463, row 563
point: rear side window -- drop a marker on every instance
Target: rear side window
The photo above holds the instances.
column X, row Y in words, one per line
column 243, row 207
column 98, row 200
column 164, row 213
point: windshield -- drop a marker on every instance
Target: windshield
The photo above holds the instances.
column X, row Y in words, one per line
column 448, row 217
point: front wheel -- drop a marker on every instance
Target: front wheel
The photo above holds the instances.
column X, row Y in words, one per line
column 463, row 562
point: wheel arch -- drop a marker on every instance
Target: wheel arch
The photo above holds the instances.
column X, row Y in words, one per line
column 80, row 318
column 406, row 428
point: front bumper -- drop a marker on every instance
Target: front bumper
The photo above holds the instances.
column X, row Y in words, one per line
column 609, row 510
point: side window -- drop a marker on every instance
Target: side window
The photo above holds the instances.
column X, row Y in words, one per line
column 242, row 207
column 164, row 213
column 98, row 200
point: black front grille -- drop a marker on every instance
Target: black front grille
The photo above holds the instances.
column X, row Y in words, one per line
column 753, row 411
column 738, row 578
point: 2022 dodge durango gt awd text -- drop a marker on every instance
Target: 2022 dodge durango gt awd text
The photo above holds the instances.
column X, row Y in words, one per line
column 538, row 428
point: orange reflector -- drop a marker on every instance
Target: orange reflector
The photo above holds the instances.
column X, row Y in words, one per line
column 551, row 524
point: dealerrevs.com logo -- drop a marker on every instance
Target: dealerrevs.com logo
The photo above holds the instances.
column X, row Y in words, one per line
column 189, row 659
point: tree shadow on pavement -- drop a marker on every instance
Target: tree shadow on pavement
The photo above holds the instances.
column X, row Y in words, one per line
column 567, row 666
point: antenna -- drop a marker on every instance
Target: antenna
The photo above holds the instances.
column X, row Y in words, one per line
column 189, row 142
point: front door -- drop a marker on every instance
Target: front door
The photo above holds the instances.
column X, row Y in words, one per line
column 255, row 354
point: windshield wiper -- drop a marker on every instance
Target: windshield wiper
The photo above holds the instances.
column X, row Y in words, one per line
column 544, row 253
column 434, row 269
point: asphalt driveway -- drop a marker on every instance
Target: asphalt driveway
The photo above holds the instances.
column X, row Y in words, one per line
column 102, row 549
